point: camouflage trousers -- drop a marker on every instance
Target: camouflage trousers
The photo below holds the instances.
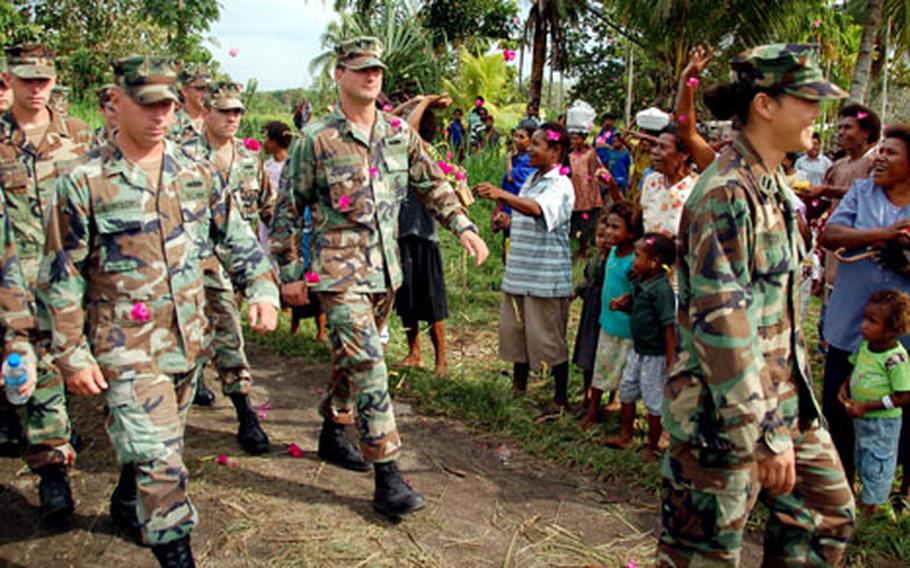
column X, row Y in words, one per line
column 47, row 422
column 226, row 327
column 145, row 422
column 359, row 386
column 708, row 496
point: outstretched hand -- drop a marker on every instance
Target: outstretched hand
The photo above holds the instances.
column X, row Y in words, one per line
column 475, row 246
column 699, row 59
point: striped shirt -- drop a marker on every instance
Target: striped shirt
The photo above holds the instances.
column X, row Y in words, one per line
column 540, row 259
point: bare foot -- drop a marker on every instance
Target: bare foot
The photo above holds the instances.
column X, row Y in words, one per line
column 409, row 361
column 322, row 338
column 441, row 370
column 614, row 406
column 618, row 442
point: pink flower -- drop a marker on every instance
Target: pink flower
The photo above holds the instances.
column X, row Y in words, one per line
column 601, row 139
column 478, row 102
column 817, row 23
column 233, row 52
column 460, row 176
column 251, row 144
column 516, row 20
column 387, row 108
column 861, row 115
column 605, row 175
column 374, row 171
column 553, row 135
column 262, row 414
column 584, row 216
column 445, row 167
column 395, row 122
column 448, row 155
column 692, row 82
column 311, row 278
column 508, row 55
column 564, row 170
column 222, row 459
column 140, row 312
column 344, row 202
column 632, row 564
column 682, row 118
column 295, row 451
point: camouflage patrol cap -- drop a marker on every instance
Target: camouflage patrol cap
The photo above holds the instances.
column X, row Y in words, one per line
column 225, row 95
column 31, row 61
column 146, row 79
column 195, row 75
column 360, row 53
column 791, row 67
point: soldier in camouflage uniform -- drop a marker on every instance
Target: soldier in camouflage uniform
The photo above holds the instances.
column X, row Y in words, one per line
column 354, row 168
column 243, row 175
column 105, row 132
column 122, row 283
column 739, row 406
column 60, row 99
column 188, row 121
column 36, row 144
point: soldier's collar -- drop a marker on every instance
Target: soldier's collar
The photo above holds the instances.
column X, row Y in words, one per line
column 768, row 183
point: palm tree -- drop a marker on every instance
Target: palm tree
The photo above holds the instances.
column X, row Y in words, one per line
column 546, row 21
column 872, row 22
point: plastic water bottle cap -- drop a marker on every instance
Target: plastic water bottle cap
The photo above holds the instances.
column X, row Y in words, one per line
column 14, row 360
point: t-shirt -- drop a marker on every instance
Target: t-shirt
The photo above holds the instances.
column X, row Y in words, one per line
column 876, row 375
column 456, row 134
column 521, row 171
column 540, row 259
column 273, row 170
column 662, row 207
column 813, row 169
column 866, row 206
column 620, row 161
column 653, row 309
column 584, row 165
column 616, row 284
column 845, row 171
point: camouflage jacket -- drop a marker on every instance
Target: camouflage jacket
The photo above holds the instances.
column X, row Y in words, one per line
column 183, row 128
column 27, row 177
column 114, row 246
column 355, row 188
column 246, row 178
column 743, row 367
column 17, row 317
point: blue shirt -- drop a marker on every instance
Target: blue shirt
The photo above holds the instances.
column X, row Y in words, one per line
column 866, row 206
column 521, row 171
column 618, row 162
column 616, row 284
column 540, row 259
column 456, row 134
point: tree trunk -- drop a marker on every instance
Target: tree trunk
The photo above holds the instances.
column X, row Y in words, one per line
column 872, row 21
column 538, row 60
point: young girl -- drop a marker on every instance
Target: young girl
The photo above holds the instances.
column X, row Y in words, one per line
column 588, row 202
column 878, row 387
column 652, row 309
column 537, row 283
column 518, row 170
column 589, row 323
column 623, row 227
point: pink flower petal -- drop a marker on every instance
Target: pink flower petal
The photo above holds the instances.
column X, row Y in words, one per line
column 264, row 406
column 605, row 175
column 312, row 277
column 817, row 23
column 478, row 102
column 374, row 171
column 251, row 144
column 564, row 170
column 449, row 155
column 387, row 108
column 692, row 82
column 861, row 115
column 233, row 52
column 262, row 414
column 632, row 564
column 584, row 216
column 460, row 176
column 601, row 140
column 295, row 451
column 344, row 202
column 140, row 312
column 395, row 122
column 553, row 135
column 232, row 464
column 222, row 459
column 682, row 118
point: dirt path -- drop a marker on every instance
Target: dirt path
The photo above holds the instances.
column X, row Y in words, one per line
column 488, row 505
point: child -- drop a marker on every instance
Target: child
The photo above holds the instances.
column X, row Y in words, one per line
column 518, row 170
column 584, row 164
column 878, row 387
column 652, row 308
column 590, row 292
column 615, row 339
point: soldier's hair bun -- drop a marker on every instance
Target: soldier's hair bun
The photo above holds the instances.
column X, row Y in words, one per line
column 732, row 100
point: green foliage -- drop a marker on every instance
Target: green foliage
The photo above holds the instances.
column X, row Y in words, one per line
column 490, row 77
column 468, row 23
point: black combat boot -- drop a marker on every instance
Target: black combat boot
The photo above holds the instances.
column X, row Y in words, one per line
column 55, row 495
column 393, row 497
column 335, row 448
column 251, row 436
column 10, row 430
column 204, row 395
column 175, row 554
column 123, row 503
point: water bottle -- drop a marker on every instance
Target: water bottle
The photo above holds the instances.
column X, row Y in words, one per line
column 15, row 374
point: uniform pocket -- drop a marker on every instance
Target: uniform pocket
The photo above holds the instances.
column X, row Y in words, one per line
column 117, row 230
column 350, row 193
column 13, row 176
column 132, row 430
